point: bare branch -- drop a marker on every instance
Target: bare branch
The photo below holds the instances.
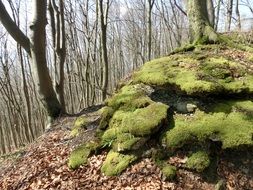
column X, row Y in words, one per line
column 13, row 29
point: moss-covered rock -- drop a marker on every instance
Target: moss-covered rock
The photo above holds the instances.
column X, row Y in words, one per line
column 116, row 162
column 198, row 161
column 134, row 119
column 80, row 155
column 131, row 97
column 229, row 123
column 127, row 141
column 80, row 123
column 142, row 122
column 168, row 171
column 106, row 114
column 197, row 75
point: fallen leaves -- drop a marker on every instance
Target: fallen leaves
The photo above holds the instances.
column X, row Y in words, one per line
column 44, row 167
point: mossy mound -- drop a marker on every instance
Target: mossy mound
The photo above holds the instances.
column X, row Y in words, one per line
column 116, row 162
column 189, row 101
column 80, row 155
column 168, row 171
column 230, row 123
column 198, row 161
column 198, row 74
column 80, row 123
column 132, row 117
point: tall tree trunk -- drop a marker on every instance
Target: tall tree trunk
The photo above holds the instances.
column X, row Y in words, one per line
column 211, row 15
column 217, row 15
column 201, row 29
column 39, row 63
column 150, row 7
column 59, row 43
column 239, row 26
column 103, row 23
column 229, row 15
column 36, row 48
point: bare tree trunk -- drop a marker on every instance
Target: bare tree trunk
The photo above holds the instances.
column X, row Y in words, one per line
column 217, row 15
column 211, row 15
column 239, row 26
column 103, row 15
column 58, row 33
column 229, row 15
column 150, row 7
column 35, row 47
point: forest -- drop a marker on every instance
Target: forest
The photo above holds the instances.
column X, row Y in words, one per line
column 126, row 94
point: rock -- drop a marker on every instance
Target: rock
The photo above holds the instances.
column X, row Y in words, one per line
column 185, row 107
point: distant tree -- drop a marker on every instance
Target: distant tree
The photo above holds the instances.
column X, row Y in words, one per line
column 229, row 14
column 35, row 46
column 103, row 17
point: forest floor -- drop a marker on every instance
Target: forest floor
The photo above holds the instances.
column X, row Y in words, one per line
column 43, row 165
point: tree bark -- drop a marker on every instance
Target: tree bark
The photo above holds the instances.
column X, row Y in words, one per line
column 229, row 15
column 103, row 23
column 59, row 43
column 201, row 29
column 35, row 47
column 150, row 7
column 38, row 56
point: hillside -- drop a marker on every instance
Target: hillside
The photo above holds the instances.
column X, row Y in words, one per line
column 181, row 122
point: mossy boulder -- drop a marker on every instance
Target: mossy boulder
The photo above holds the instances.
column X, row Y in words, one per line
column 106, row 113
column 198, row 161
column 208, row 101
column 230, row 123
column 197, row 74
column 129, row 128
column 131, row 97
column 116, row 162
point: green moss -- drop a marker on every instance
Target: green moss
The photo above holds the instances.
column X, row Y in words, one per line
column 80, row 155
column 250, row 58
column 130, row 97
column 141, row 122
column 126, row 127
column 168, row 171
column 116, row 162
column 196, row 75
column 198, row 161
column 127, row 141
column 187, row 47
column 106, row 114
column 233, row 128
column 79, row 124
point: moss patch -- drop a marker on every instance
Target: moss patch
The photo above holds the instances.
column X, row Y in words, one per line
column 229, row 123
column 198, row 161
column 106, row 114
column 168, row 171
column 80, row 155
column 80, row 123
column 127, row 141
column 197, row 75
column 116, row 162
column 140, row 123
column 130, row 97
